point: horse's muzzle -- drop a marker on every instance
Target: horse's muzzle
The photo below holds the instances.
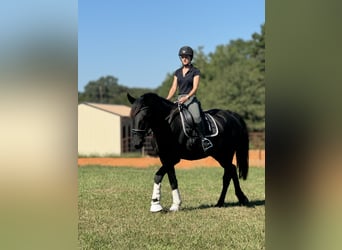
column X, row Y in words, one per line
column 138, row 139
column 138, row 145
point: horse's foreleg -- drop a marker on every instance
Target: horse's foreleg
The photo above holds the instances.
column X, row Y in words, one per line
column 176, row 199
column 243, row 200
column 225, row 183
column 156, row 193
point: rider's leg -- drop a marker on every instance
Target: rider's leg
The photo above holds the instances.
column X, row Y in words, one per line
column 195, row 110
column 206, row 143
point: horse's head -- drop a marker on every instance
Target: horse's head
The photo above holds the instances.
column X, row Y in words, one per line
column 140, row 114
column 149, row 111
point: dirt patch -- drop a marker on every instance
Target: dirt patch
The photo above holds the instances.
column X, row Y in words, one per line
column 256, row 159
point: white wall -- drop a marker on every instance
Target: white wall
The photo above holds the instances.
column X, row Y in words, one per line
column 99, row 132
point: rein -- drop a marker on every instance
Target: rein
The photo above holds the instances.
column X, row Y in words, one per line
column 138, row 111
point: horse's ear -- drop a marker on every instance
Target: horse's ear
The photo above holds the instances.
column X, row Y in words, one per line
column 130, row 98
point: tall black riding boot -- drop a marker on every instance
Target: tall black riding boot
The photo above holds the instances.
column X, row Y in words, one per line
column 206, row 143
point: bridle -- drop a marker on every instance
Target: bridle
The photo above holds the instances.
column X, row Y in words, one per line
column 140, row 132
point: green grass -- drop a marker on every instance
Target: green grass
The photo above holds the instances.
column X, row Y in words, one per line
column 114, row 211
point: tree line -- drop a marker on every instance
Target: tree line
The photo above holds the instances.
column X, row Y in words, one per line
column 232, row 77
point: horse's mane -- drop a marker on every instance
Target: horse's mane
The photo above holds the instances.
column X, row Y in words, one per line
column 140, row 102
column 154, row 102
column 151, row 99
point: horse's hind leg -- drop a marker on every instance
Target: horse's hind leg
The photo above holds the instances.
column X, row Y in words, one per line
column 156, row 194
column 243, row 200
column 231, row 173
column 226, row 180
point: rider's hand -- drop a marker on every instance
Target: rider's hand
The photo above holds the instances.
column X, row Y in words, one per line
column 183, row 99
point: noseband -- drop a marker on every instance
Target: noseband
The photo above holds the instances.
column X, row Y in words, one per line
column 140, row 132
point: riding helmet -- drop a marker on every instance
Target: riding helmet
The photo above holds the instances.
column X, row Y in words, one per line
column 186, row 51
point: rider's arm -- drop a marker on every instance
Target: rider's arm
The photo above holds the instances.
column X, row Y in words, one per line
column 173, row 88
column 194, row 87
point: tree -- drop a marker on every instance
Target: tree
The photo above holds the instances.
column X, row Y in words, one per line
column 102, row 90
column 232, row 77
column 107, row 90
column 234, row 80
column 258, row 48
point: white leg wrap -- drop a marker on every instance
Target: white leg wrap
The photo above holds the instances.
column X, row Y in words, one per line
column 176, row 200
column 155, row 203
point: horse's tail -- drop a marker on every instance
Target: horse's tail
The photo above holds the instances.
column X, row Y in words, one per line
column 242, row 149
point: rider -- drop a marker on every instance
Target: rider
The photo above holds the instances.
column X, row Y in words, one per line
column 186, row 79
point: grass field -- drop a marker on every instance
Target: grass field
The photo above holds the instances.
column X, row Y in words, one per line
column 114, row 211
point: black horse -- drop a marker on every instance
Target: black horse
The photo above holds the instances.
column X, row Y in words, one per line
column 152, row 112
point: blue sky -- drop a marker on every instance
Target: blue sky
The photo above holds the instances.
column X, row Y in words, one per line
column 138, row 41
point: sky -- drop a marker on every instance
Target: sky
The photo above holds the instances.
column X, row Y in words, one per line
column 138, row 41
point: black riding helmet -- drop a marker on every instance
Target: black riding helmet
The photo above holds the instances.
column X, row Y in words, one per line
column 186, row 51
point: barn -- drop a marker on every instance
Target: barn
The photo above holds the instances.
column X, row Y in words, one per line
column 103, row 129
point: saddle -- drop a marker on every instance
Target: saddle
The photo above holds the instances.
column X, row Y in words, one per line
column 189, row 126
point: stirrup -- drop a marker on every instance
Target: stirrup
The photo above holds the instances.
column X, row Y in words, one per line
column 206, row 144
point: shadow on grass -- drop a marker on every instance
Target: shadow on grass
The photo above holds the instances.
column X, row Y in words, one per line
column 251, row 204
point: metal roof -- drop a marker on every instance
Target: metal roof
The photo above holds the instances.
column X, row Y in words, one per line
column 121, row 110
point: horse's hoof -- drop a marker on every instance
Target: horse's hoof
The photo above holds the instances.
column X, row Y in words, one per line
column 174, row 208
column 244, row 202
column 219, row 205
column 156, row 208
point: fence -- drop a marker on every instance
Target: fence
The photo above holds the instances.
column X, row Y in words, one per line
column 256, row 141
column 147, row 148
